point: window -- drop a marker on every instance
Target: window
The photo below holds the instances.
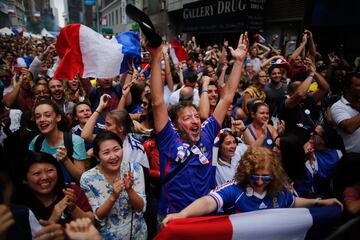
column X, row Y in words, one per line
column 120, row 16
column 112, row 18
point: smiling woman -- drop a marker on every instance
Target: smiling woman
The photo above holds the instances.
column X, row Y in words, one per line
column 259, row 132
column 260, row 183
column 115, row 190
column 50, row 122
column 46, row 194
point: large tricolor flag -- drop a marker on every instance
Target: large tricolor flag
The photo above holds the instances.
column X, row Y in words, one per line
column 180, row 52
column 86, row 52
column 272, row 224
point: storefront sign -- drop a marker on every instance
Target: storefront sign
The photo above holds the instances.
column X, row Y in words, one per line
column 223, row 15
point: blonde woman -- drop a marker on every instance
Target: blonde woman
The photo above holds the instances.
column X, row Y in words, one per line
column 259, row 184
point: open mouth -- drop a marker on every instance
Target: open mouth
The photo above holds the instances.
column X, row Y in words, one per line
column 114, row 162
column 43, row 126
column 195, row 131
column 45, row 185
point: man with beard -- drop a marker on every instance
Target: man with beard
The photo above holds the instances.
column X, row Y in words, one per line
column 185, row 145
column 57, row 92
column 275, row 90
column 20, row 97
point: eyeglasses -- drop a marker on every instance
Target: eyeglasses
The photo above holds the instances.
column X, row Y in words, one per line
column 265, row 178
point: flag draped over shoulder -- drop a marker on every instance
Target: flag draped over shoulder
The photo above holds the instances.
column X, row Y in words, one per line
column 86, row 52
column 277, row 224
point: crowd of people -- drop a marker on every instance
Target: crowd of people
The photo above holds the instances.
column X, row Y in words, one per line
column 226, row 130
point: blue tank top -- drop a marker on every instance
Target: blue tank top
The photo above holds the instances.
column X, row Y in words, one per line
column 268, row 141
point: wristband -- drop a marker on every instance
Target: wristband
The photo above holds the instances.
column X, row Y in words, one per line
column 317, row 201
column 243, row 129
column 98, row 112
column 204, row 91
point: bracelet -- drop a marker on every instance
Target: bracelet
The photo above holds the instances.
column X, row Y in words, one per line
column 98, row 112
column 204, row 91
column 243, row 129
column 317, row 201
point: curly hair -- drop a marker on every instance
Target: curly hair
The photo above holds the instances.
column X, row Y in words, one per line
column 256, row 158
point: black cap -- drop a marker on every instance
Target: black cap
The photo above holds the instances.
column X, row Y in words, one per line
column 145, row 24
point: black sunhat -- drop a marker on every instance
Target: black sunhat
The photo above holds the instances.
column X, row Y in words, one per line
column 145, row 24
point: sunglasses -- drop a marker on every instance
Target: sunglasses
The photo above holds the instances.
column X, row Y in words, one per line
column 265, row 178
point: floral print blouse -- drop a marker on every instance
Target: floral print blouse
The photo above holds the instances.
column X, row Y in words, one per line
column 122, row 219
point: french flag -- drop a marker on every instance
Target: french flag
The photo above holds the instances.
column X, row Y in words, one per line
column 272, row 224
column 11, row 11
column 37, row 15
column 87, row 53
column 180, row 52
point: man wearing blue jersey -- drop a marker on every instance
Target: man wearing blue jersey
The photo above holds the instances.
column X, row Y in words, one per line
column 185, row 145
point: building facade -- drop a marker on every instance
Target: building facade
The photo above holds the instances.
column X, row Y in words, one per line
column 16, row 13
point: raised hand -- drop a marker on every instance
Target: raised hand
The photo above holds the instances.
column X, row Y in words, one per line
column 82, row 229
column 6, row 220
column 59, row 209
column 226, row 44
column 165, row 48
column 238, row 126
column 104, row 102
column 304, row 38
column 243, row 46
column 281, row 127
column 127, row 87
column 61, row 154
column 50, row 230
column 118, row 185
column 308, row 33
column 71, row 198
column 128, row 180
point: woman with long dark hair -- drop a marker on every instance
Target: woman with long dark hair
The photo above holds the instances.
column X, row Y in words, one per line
column 116, row 190
column 45, row 193
column 52, row 140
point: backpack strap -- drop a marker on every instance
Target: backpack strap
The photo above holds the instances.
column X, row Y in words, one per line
column 69, row 144
column 38, row 143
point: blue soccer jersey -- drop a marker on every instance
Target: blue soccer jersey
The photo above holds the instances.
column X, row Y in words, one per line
column 233, row 199
column 197, row 177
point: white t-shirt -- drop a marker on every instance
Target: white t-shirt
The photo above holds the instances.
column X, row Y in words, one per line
column 175, row 96
column 224, row 171
column 340, row 111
